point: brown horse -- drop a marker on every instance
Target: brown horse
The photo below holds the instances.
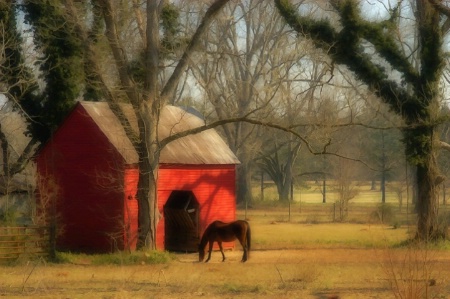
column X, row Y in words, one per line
column 219, row 232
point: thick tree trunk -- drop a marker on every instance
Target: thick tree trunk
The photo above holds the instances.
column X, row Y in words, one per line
column 143, row 197
column 422, row 142
column 284, row 189
column 427, row 204
column 244, row 184
column 420, row 146
column 147, row 216
column 148, row 171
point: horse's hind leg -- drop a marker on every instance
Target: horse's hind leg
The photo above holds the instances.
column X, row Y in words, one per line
column 221, row 250
column 244, row 247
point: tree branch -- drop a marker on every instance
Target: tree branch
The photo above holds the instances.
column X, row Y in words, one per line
column 118, row 52
column 343, row 48
column 171, row 84
column 245, row 119
column 443, row 145
column 91, row 61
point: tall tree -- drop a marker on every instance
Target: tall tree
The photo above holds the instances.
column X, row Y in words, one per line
column 148, row 95
column 250, row 65
column 60, row 53
column 233, row 71
column 415, row 98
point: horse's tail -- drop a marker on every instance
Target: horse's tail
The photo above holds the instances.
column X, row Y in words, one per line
column 249, row 239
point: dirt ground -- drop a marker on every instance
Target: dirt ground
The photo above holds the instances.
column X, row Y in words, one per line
column 303, row 273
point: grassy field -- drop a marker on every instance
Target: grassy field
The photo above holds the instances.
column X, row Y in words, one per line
column 288, row 260
column 310, row 192
column 307, row 205
column 298, row 251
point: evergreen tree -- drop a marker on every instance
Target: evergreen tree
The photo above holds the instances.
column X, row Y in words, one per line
column 60, row 65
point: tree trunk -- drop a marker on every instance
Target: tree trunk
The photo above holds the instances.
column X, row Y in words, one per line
column 284, row 189
column 144, row 202
column 244, row 184
column 421, row 141
column 284, row 183
column 383, row 170
column 427, row 205
column 148, row 171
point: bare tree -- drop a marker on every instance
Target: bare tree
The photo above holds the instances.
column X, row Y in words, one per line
column 147, row 98
column 345, row 185
column 16, row 83
column 251, row 65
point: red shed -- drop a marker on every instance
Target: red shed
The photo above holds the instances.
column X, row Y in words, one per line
column 91, row 167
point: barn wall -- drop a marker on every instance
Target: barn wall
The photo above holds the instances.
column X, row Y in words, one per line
column 212, row 185
column 90, row 199
column 130, row 231
column 96, row 205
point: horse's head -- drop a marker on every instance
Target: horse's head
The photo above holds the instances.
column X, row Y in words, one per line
column 201, row 253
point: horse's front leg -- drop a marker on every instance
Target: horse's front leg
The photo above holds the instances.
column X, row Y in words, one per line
column 210, row 250
column 221, row 250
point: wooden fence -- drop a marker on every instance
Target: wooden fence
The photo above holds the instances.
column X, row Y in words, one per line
column 25, row 242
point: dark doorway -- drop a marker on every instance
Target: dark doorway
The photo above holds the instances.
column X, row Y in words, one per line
column 181, row 214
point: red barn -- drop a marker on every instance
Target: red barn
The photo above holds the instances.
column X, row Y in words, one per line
column 89, row 168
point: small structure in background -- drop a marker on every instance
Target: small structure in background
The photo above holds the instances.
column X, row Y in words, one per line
column 89, row 174
column 16, row 189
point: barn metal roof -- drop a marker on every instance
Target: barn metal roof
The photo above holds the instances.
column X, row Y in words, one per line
column 206, row 147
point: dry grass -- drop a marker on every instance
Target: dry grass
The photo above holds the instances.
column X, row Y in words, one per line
column 336, row 235
column 294, row 259
column 272, row 230
column 303, row 273
column 324, row 260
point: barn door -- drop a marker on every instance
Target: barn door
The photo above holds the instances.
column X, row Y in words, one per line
column 181, row 218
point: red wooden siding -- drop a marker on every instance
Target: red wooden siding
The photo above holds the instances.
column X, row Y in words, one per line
column 212, row 185
column 89, row 175
column 96, row 205
column 131, row 209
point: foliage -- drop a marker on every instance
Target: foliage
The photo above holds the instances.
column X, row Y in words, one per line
column 171, row 40
column 60, row 63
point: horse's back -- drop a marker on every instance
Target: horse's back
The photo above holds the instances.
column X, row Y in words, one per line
column 234, row 224
column 227, row 231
